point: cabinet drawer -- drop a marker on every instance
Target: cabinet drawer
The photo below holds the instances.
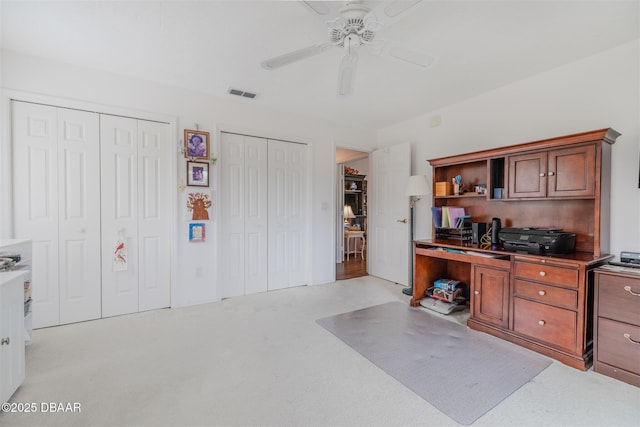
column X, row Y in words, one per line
column 619, row 298
column 547, row 273
column 563, row 298
column 615, row 349
column 552, row 325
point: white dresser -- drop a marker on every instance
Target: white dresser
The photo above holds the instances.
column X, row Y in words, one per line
column 11, row 333
column 24, row 248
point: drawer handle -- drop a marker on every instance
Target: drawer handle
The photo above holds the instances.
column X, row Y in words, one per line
column 542, row 273
column 542, row 293
column 628, row 289
column 551, row 173
column 476, row 292
column 541, row 322
column 5, row 341
column 628, row 336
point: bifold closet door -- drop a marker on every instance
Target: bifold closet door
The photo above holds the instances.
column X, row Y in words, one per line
column 287, row 206
column 243, row 202
column 56, row 179
column 135, row 214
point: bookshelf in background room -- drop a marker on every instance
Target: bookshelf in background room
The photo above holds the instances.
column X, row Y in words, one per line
column 355, row 195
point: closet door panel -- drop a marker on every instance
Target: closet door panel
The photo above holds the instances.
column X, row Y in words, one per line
column 79, row 215
column 35, row 192
column 119, row 190
column 297, row 167
column 232, row 205
column 255, row 224
column 287, row 204
column 153, row 221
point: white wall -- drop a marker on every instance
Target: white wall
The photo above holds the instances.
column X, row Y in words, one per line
column 195, row 264
column 362, row 165
column 597, row 92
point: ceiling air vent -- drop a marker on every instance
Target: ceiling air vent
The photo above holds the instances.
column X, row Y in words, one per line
column 243, row 93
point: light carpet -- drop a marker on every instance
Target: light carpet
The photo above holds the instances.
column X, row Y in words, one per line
column 463, row 373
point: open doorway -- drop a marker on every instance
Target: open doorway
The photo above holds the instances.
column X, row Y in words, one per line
column 351, row 198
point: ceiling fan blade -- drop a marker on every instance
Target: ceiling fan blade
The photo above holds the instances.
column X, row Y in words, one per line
column 396, row 7
column 386, row 48
column 319, row 7
column 389, row 12
column 347, row 74
column 414, row 57
column 296, row 55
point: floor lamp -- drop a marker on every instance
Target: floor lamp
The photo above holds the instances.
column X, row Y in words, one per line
column 416, row 187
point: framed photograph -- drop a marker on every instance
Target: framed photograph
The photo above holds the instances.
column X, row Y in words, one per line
column 196, row 144
column 198, row 174
column 196, row 232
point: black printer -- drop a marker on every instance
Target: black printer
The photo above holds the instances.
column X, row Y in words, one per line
column 537, row 240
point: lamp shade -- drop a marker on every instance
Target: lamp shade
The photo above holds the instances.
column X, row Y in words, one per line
column 348, row 212
column 417, row 186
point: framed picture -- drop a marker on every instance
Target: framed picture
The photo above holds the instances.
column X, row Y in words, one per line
column 198, row 174
column 196, row 144
column 196, row 232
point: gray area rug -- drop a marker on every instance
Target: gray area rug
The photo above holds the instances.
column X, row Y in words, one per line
column 463, row 373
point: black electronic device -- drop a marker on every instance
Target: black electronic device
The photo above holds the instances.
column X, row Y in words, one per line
column 628, row 259
column 538, row 240
column 496, row 225
column 478, row 229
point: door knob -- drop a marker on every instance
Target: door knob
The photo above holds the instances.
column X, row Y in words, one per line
column 403, row 220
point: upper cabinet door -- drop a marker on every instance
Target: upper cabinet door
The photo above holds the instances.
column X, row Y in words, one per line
column 565, row 172
column 572, row 172
column 527, row 175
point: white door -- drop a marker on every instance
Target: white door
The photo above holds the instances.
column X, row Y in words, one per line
column 56, row 204
column 119, row 191
column 135, row 210
column 154, row 184
column 35, row 196
column 287, row 205
column 79, row 215
column 243, row 223
column 388, row 231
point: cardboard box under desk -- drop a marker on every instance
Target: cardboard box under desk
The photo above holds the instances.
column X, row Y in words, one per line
column 443, row 188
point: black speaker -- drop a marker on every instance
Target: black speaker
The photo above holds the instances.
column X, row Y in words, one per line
column 495, row 228
column 478, row 229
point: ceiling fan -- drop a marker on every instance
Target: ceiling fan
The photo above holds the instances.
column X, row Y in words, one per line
column 351, row 27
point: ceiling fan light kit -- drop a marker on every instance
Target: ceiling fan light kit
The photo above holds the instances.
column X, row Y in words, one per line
column 355, row 25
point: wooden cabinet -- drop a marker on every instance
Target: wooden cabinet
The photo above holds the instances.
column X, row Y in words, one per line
column 544, row 303
column 567, row 172
column 490, row 288
column 617, row 323
column 12, row 360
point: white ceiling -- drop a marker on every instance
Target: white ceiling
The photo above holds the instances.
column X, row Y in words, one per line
column 210, row 46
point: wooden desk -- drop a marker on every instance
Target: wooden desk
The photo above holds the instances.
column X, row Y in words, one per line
column 541, row 302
